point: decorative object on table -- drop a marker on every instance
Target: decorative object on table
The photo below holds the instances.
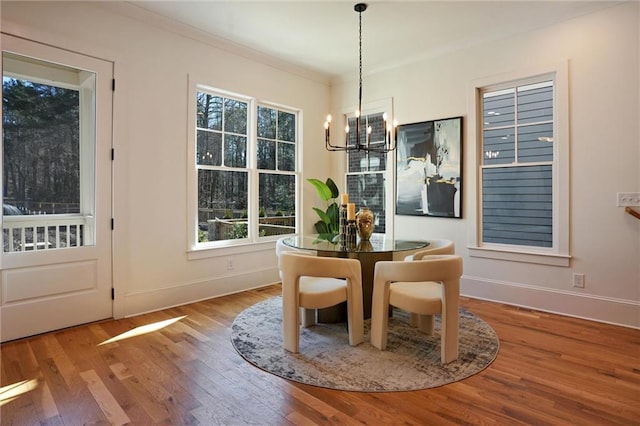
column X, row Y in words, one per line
column 352, row 235
column 365, row 223
column 327, row 360
column 429, row 168
column 328, row 227
column 344, row 199
column 356, row 139
column 352, row 228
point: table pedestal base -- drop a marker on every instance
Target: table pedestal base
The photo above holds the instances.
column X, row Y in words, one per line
column 368, row 261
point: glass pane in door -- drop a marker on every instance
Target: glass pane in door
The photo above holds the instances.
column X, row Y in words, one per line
column 48, row 155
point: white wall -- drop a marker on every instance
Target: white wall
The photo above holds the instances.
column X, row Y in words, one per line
column 602, row 50
column 152, row 62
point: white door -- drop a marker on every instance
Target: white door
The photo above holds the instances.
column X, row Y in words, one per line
column 56, row 181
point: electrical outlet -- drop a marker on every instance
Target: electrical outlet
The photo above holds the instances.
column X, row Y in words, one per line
column 631, row 199
column 229, row 264
column 578, row 280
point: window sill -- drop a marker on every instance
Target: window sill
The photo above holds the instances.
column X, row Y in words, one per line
column 219, row 251
column 551, row 259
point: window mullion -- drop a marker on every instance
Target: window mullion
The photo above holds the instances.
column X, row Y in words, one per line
column 516, row 127
column 253, row 212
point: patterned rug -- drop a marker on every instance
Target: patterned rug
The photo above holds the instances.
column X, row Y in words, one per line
column 410, row 362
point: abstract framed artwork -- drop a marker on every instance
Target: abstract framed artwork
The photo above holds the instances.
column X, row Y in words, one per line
column 429, row 168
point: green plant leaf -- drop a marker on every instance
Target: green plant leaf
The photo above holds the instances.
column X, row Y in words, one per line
column 333, row 187
column 333, row 216
column 324, row 191
column 324, row 217
column 322, row 228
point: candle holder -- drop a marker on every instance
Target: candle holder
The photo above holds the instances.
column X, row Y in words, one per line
column 343, row 227
column 352, row 231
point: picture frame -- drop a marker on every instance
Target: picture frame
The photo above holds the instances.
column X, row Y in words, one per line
column 429, row 168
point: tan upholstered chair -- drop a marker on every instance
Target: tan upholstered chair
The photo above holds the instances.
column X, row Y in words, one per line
column 281, row 247
column 313, row 282
column 423, row 287
column 434, row 247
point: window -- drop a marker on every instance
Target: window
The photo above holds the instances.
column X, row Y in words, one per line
column 366, row 171
column 277, row 167
column 517, row 179
column 523, row 170
column 48, row 155
column 246, row 165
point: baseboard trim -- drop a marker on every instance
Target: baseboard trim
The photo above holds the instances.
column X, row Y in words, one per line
column 195, row 291
column 608, row 310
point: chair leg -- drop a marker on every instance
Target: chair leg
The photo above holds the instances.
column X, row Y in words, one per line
column 426, row 324
column 309, row 317
column 449, row 332
column 413, row 319
column 355, row 317
column 290, row 324
column 379, row 320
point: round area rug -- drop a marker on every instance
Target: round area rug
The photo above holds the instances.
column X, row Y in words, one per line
column 410, row 362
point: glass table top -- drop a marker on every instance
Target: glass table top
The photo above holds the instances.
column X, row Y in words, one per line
column 378, row 243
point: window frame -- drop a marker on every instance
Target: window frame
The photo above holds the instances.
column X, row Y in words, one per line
column 253, row 242
column 558, row 254
column 368, row 109
column 47, row 72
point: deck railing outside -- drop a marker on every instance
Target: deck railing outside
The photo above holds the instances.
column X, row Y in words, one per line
column 45, row 232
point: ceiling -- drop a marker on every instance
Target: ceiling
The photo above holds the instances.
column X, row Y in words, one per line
column 323, row 35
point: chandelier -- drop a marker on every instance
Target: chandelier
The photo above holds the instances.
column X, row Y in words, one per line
column 362, row 138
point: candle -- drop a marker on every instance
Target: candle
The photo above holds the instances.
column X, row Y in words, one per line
column 327, row 128
column 395, row 132
column 351, row 211
column 344, row 199
column 384, row 121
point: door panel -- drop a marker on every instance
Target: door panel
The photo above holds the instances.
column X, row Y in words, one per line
column 23, row 284
column 56, row 179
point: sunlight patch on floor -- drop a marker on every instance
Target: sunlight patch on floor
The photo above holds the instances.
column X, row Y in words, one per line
column 143, row 329
column 14, row 391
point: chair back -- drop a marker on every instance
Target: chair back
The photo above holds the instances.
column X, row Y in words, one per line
column 294, row 265
column 281, row 247
column 438, row 268
column 436, row 247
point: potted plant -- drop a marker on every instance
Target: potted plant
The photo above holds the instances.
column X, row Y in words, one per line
column 328, row 227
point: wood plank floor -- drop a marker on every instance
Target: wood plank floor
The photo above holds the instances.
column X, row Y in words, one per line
column 550, row 370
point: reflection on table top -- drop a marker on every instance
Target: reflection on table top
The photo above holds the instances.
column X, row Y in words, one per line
column 378, row 243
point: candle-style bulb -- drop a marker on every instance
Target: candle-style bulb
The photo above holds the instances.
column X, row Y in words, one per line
column 326, row 125
column 357, row 113
column 369, row 130
column 329, row 118
column 384, row 116
column 346, row 128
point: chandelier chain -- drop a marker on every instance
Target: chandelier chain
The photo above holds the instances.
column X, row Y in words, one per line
column 388, row 144
column 360, row 63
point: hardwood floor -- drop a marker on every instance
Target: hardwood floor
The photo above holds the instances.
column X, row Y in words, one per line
column 550, row 370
